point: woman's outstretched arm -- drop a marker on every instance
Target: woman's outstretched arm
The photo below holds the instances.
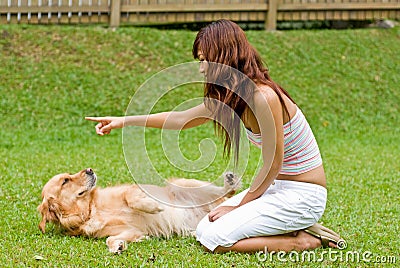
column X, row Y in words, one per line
column 176, row 120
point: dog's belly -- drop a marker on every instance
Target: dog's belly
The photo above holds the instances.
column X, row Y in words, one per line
column 172, row 220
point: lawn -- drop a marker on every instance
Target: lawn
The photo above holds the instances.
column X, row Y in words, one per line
column 51, row 77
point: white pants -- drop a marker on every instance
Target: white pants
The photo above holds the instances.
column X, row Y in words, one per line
column 285, row 207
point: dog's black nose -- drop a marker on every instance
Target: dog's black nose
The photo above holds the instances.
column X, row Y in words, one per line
column 89, row 171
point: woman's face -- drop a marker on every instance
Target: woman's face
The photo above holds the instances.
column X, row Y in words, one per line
column 203, row 64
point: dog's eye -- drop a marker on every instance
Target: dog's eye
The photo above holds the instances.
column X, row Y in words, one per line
column 65, row 181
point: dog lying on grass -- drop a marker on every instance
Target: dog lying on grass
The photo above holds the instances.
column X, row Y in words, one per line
column 126, row 213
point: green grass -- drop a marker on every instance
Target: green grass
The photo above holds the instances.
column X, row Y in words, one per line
column 347, row 83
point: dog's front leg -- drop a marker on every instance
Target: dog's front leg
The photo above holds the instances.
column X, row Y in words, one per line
column 119, row 243
column 138, row 200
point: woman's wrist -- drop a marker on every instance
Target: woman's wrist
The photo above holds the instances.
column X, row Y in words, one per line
column 134, row 120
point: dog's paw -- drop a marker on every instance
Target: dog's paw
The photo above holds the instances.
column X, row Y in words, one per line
column 142, row 238
column 231, row 181
column 116, row 246
column 159, row 208
column 152, row 207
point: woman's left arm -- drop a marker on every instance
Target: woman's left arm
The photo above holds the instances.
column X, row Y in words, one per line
column 269, row 115
column 268, row 112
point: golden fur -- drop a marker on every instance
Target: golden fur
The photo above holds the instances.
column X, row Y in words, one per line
column 126, row 213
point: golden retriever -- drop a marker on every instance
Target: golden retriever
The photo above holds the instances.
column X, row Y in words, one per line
column 129, row 213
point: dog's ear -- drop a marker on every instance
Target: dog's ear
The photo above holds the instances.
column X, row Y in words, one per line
column 46, row 209
column 43, row 209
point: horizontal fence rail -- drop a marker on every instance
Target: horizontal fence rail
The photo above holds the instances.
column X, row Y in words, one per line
column 54, row 11
column 142, row 12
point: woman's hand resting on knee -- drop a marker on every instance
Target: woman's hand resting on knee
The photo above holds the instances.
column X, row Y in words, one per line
column 219, row 212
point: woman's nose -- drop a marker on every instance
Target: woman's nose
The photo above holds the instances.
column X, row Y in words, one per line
column 202, row 68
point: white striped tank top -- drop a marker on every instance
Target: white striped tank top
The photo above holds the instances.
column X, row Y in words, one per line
column 301, row 152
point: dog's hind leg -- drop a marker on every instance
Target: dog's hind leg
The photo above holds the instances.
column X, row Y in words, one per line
column 231, row 183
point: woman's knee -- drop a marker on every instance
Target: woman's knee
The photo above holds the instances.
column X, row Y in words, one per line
column 201, row 227
column 211, row 238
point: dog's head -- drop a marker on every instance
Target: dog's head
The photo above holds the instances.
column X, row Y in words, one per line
column 66, row 199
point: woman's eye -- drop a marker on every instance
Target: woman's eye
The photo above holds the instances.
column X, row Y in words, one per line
column 65, row 181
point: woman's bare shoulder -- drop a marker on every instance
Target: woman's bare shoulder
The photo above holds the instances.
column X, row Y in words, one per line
column 264, row 95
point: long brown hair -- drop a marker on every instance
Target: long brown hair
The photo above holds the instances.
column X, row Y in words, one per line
column 227, row 93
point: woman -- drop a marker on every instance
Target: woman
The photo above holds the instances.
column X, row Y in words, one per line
column 285, row 200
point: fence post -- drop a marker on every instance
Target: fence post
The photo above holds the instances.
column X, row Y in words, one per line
column 115, row 14
column 270, row 21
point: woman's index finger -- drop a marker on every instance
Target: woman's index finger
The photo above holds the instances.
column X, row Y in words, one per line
column 96, row 119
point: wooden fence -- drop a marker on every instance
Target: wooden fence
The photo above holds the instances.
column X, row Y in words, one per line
column 142, row 12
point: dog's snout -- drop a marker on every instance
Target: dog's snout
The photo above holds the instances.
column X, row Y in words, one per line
column 89, row 171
